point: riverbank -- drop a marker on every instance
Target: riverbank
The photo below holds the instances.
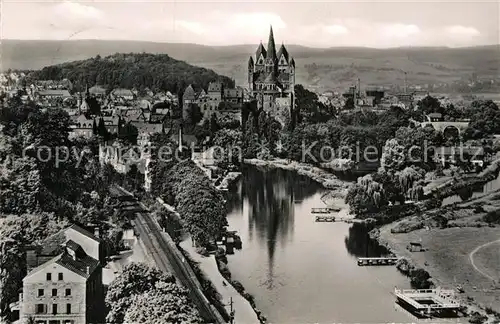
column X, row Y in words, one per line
column 326, row 179
column 460, row 244
column 245, row 312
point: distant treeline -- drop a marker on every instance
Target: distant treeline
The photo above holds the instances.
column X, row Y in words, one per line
column 158, row 72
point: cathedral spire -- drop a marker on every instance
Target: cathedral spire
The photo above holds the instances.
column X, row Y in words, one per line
column 271, row 47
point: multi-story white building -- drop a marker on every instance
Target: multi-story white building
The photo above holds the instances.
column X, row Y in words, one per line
column 65, row 288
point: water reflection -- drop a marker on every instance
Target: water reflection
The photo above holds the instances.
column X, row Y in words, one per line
column 359, row 244
column 270, row 196
column 298, row 270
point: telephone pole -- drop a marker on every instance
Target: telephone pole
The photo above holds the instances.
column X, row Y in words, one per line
column 231, row 312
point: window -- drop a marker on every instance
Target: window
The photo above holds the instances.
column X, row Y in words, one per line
column 68, row 292
column 40, row 308
column 54, row 292
column 49, row 276
column 54, row 309
column 40, row 292
column 68, row 308
column 60, row 276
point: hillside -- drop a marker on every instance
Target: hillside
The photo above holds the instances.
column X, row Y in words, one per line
column 333, row 68
column 155, row 71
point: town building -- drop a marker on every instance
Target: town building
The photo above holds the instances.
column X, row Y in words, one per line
column 81, row 126
column 64, row 280
column 218, row 100
column 125, row 94
column 54, row 93
column 97, row 91
column 271, row 79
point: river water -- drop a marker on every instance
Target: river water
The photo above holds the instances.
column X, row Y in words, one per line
column 300, row 271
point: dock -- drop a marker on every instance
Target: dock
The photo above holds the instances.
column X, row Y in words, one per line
column 377, row 261
column 325, row 210
column 325, row 219
column 428, row 301
column 331, row 219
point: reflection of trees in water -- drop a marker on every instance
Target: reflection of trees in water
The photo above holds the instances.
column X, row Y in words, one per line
column 233, row 196
column 359, row 244
column 270, row 195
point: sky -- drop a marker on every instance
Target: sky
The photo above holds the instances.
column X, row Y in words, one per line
column 379, row 24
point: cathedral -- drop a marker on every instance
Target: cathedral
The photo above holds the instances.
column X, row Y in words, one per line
column 271, row 79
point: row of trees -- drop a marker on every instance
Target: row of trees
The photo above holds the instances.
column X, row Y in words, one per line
column 178, row 181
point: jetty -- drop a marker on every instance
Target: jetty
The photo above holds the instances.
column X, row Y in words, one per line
column 331, row 219
column 377, row 261
column 325, row 210
column 325, row 219
column 428, row 302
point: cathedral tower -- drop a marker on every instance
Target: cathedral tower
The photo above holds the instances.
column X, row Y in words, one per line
column 271, row 78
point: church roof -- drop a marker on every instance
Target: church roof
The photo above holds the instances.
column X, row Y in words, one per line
column 271, row 46
column 292, row 62
column 271, row 78
column 250, row 62
column 260, row 50
column 189, row 93
column 284, row 52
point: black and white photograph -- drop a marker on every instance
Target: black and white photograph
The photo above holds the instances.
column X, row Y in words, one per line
column 249, row 162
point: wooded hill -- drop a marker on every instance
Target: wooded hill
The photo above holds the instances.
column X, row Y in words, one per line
column 158, row 72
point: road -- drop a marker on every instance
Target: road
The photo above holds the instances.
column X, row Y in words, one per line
column 471, row 258
column 168, row 260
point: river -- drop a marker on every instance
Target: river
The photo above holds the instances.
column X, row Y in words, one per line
column 300, row 271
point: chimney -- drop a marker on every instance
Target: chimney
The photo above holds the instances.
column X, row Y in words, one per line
column 88, row 270
column 359, row 87
column 97, row 232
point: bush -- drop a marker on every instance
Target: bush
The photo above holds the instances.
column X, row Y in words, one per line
column 492, row 217
column 238, row 286
column 477, row 318
column 419, row 279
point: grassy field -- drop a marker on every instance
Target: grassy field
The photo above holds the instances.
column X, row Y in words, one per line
column 448, row 261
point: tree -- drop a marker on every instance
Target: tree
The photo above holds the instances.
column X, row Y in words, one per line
column 16, row 232
column 393, row 156
column 230, row 142
column 308, row 108
column 94, row 128
column 170, row 303
column 94, row 106
column 102, row 131
column 430, row 105
column 485, row 119
column 366, row 195
column 135, row 279
column 128, row 133
column 193, row 114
